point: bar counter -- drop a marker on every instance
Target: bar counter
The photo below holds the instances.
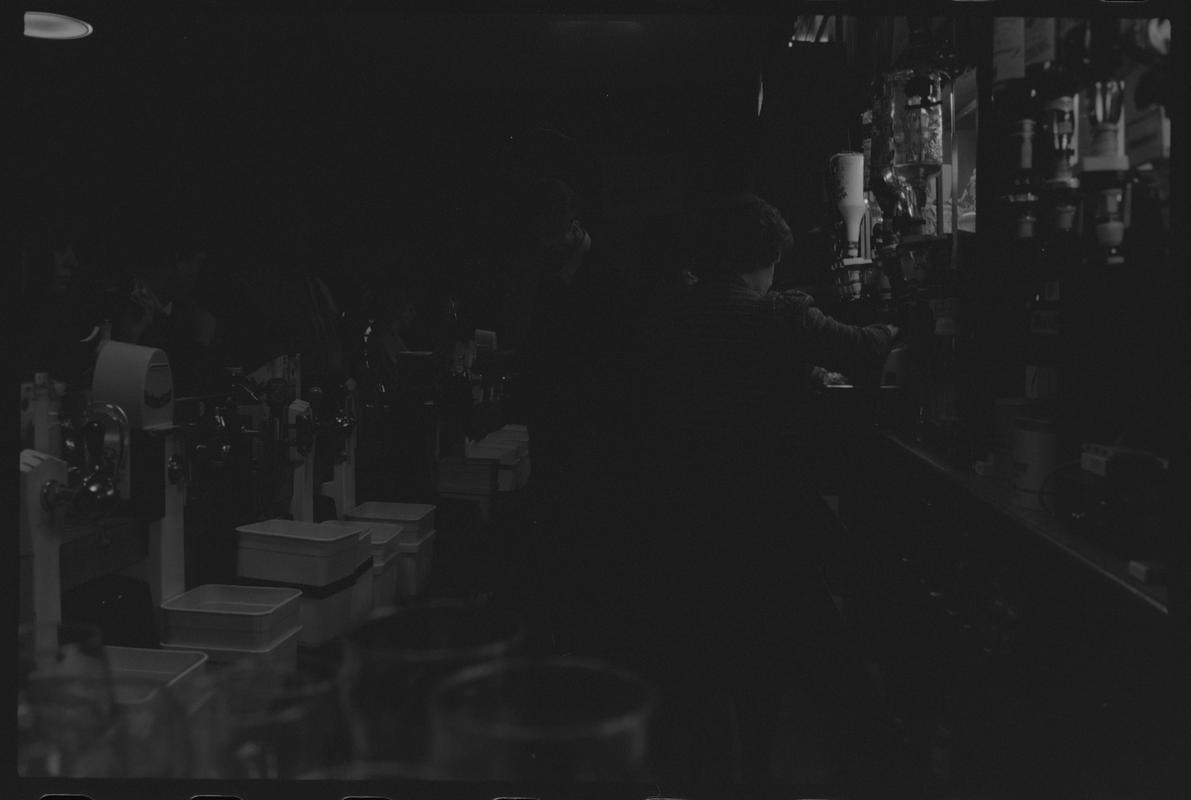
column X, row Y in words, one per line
column 1049, row 528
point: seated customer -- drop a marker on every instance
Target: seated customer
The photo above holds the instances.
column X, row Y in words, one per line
column 160, row 308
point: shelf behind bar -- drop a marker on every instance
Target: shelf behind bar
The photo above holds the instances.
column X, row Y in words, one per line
column 1051, row 530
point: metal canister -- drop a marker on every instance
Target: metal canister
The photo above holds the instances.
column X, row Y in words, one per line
column 1035, row 443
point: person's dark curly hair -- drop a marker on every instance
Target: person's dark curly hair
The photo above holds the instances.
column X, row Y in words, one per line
column 741, row 234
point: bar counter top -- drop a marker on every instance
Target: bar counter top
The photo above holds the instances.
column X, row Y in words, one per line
column 1050, row 528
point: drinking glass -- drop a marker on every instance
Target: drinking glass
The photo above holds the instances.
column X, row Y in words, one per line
column 65, row 707
column 280, row 723
column 541, row 720
column 116, row 727
column 396, row 659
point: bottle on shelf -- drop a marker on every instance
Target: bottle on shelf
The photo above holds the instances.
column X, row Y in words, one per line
column 1096, row 51
column 1049, row 67
column 1015, row 107
column 908, row 120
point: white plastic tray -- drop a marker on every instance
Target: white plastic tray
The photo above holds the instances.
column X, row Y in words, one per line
column 327, row 618
column 281, row 654
column 221, row 615
column 362, row 596
column 518, row 432
column 304, row 553
column 415, row 559
column 180, row 671
column 418, row 516
column 507, row 456
column 384, row 583
column 519, row 448
column 382, row 535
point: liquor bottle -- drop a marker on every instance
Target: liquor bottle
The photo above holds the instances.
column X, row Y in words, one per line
column 1048, row 67
column 1097, row 50
column 1057, row 255
column 1015, row 109
column 908, row 117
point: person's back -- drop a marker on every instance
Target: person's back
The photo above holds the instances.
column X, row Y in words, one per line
column 726, row 567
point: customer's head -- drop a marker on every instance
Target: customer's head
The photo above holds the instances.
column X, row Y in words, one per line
column 744, row 236
column 168, row 254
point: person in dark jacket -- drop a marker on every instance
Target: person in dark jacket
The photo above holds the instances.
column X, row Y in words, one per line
column 160, row 307
column 725, row 578
column 577, row 311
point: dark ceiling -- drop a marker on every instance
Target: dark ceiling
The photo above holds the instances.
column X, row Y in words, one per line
column 334, row 114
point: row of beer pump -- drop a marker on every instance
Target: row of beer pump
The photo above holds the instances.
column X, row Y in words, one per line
column 120, row 451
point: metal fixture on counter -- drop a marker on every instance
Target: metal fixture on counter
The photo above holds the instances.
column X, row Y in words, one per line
column 98, row 465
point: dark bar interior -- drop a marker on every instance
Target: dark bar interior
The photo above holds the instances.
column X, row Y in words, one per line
column 600, row 402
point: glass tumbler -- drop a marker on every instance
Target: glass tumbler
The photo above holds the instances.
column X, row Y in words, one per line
column 65, row 707
column 281, row 723
column 396, row 659
column 544, row 720
column 87, row 727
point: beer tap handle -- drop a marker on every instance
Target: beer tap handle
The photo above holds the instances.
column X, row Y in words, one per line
column 93, row 441
column 55, row 494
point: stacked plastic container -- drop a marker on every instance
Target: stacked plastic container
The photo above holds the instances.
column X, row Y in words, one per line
column 512, row 456
column 182, row 672
column 323, row 563
column 236, row 623
column 414, row 543
column 381, row 541
column 511, row 433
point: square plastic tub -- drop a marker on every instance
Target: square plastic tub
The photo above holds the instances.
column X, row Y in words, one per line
column 382, row 537
column 505, row 455
column 327, row 618
column 467, row 476
column 304, row 553
column 384, row 582
column 415, row 558
column 362, row 597
column 220, row 615
column 180, row 671
column 508, row 470
column 510, row 433
column 411, row 516
column 519, row 448
column 281, row 654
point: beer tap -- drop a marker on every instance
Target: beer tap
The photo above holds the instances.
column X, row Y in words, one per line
column 340, row 430
column 99, row 490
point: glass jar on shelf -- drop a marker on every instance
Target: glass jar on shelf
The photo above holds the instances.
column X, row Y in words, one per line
column 908, row 123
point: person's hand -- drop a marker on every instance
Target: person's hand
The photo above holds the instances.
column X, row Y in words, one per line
column 893, row 331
